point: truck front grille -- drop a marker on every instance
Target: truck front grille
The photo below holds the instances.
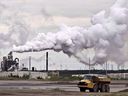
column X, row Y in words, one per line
column 82, row 83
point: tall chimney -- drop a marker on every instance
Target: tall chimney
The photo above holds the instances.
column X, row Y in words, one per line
column 29, row 67
column 29, row 62
column 46, row 61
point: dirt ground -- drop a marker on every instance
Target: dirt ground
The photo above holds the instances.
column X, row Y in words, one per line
column 54, row 92
column 39, row 88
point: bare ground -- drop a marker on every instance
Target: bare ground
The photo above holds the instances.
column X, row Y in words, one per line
column 54, row 92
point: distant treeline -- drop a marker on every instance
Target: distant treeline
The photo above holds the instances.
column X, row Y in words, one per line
column 71, row 72
column 91, row 71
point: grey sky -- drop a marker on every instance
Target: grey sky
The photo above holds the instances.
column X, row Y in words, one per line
column 47, row 15
column 71, row 8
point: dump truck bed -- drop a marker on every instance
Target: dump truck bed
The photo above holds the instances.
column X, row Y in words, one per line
column 101, row 79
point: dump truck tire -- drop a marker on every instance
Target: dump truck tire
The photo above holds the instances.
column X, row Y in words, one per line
column 103, row 88
column 91, row 90
column 95, row 88
column 82, row 89
column 107, row 88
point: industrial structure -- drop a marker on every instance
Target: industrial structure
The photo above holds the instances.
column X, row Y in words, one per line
column 46, row 61
column 9, row 64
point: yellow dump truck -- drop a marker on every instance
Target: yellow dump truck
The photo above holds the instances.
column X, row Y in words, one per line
column 95, row 83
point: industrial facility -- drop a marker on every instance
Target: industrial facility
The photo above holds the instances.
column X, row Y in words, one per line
column 9, row 64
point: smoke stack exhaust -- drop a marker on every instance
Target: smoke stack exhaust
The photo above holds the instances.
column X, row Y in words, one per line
column 107, row 37
column 46, row 61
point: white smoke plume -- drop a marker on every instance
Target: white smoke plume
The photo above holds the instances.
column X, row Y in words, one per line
column 106, row 36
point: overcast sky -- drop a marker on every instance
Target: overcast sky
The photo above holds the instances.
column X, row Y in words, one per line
column 21, row 20
column 47, row 14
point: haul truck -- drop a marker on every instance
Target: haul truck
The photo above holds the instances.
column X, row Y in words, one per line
column 95, row 83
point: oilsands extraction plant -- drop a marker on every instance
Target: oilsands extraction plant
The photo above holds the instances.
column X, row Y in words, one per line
column 10, row 67
column 9, row 63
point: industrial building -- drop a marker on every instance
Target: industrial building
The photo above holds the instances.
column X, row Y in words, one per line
column 9, row 64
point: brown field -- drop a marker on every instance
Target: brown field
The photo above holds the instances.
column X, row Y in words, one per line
column 48, row 88
column 55, row 92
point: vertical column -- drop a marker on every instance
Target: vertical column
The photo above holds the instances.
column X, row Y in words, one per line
column 106, row 68
column 89, row 65
column 46, row 61
column 29, row 66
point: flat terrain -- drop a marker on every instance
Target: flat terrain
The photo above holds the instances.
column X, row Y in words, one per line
column 55, row 88
column 49, row 85
column 55, row 92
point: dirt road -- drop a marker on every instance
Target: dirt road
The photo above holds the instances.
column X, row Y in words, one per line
column 55, row 92
column 50, row 85
column 54, row 88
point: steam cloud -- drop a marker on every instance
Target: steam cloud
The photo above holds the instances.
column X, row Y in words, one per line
column 106, row 36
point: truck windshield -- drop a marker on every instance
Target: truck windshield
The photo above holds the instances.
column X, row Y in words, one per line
column 88, row 77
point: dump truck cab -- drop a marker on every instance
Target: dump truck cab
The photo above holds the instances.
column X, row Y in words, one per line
column 95, row 83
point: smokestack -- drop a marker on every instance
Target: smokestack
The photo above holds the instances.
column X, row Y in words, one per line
column 29, row 67
column 46, row 61
column 29, row 63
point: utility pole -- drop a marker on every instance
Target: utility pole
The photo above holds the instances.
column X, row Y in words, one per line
column 111, row 67
column 106, row 68
column 118, row 67
column 89, row 65
column 61, row 66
